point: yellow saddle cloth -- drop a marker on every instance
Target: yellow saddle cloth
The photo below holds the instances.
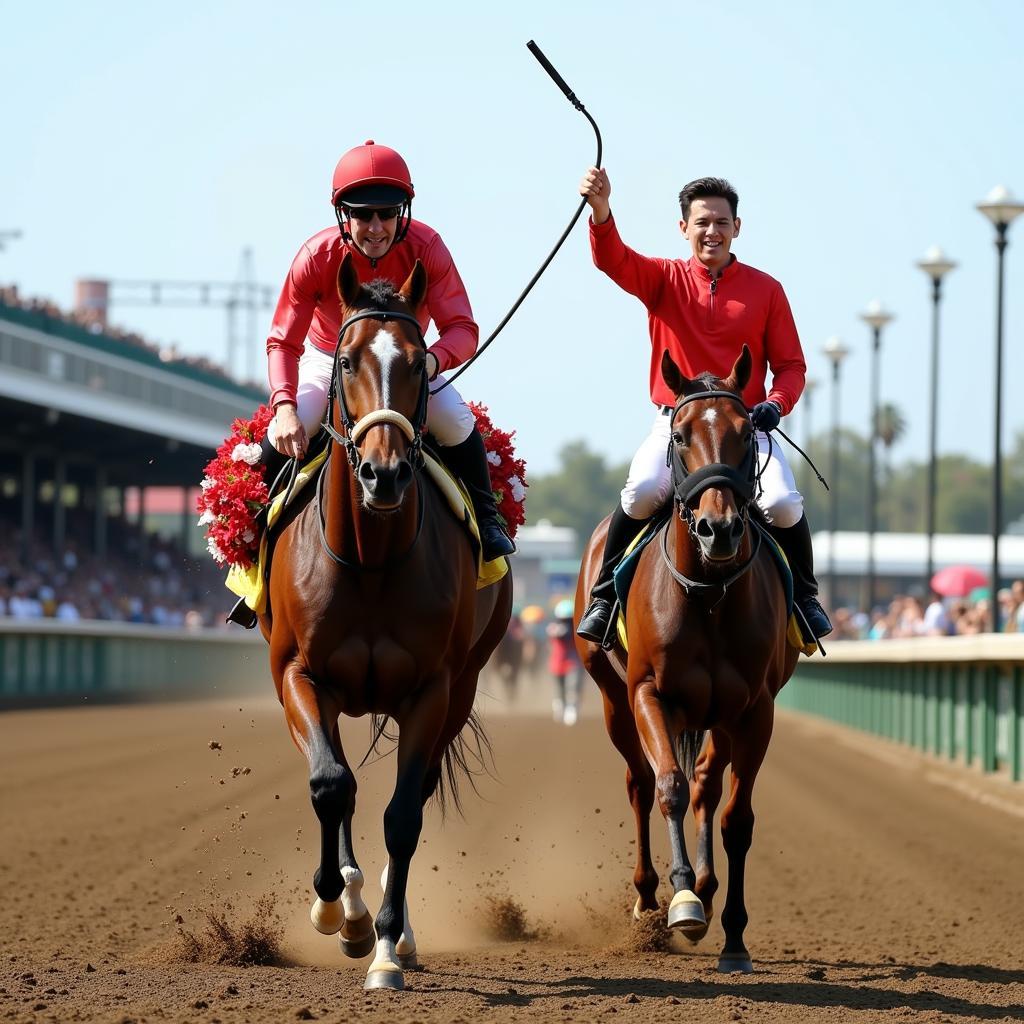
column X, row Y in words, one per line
column 250, row 583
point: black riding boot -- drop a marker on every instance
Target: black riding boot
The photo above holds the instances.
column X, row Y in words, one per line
column 796, row 542
column 468, row 461
column 274, row 462
column 621, row 531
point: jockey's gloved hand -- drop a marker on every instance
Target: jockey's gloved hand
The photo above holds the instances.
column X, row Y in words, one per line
column 765, row 416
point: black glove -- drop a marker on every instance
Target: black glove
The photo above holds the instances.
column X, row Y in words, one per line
column 765, row 416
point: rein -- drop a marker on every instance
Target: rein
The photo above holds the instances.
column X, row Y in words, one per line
column 355, row 431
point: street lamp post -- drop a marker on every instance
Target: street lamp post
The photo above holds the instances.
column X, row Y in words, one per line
column 836, row 352
column 936, row 266
column 1002, row 209
column 876, row 318
column 806, row 401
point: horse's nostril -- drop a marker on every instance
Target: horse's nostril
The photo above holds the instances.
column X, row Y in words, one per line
column 737, row 528
column 705, row 529
column 367, row 474
column 404, row 473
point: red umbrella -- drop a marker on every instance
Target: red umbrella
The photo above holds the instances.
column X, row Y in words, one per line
column 958, row 580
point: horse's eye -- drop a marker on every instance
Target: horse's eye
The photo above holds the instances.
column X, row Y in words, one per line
column 677, row 438
column 345, row 363
column 420, row 366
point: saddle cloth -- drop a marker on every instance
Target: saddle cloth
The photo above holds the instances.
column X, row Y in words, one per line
column 626, row 570
column 251, row 583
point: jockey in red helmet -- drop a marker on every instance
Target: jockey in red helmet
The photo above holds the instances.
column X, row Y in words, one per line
column 372, row 195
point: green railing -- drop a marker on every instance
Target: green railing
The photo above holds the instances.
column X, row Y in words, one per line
column 960, row 698
column 56, row 662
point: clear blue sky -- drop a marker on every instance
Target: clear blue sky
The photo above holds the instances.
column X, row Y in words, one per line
column 155, row 143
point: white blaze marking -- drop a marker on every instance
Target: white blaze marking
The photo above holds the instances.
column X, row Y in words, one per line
column 385, row 349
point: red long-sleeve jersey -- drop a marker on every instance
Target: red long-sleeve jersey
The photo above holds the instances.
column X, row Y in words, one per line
column 704, row 323
column 309, row 303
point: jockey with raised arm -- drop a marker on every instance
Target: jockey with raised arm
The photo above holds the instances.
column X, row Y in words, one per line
column 372, row 196
column 702, row 311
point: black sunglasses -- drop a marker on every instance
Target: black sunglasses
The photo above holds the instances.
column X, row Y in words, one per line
column 365, row 214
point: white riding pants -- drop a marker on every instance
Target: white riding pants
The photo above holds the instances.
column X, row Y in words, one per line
column 449, row 419
column 649, row 481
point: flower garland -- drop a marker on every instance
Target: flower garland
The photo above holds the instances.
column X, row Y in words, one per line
column 508, row 473
column 234, row 491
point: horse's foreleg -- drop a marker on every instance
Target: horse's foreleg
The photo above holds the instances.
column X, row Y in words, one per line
column 749, row 744
column 685, row 912
column 621, row 727
column 338, row 882
column 420, row 728
column 705, row 794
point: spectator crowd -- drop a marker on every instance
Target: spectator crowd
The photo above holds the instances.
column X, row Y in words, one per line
column 152, row 582
column 909, row 616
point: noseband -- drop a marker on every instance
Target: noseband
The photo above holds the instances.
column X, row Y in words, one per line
column 742, row 480
column 355, row 431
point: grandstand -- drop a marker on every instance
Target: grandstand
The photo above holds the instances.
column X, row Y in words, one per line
column 96, row 418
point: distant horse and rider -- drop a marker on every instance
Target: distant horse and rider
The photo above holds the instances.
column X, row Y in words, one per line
column 374, row 609
column 706, row 629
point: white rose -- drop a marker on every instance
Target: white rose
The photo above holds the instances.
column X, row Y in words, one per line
column 494, row 458
column 249, row 536
column 206, row 518
column 247, row 453
column 517, row 487
column 207, row 482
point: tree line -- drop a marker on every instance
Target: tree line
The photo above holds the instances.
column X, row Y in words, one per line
column 586, row 486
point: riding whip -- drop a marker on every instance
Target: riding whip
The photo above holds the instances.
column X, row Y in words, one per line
column 571, row 97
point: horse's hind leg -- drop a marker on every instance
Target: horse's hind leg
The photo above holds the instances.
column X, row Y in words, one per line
column 338, row 882
column 621, row 727
column 705, row 794
column 749, row 744
column 685, row 912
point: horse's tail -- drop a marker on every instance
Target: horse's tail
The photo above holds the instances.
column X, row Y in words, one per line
column 687, row 746
column 468, row 755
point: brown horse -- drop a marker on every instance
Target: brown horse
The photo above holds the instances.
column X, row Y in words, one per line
column 706, row 626
column 374, row 610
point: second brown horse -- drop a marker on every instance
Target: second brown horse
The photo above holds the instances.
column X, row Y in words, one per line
column 706, row 628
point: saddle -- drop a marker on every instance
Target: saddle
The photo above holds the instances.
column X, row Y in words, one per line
column 624, row 572
column 251, row 584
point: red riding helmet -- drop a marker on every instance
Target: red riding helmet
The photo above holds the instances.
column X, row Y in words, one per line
column 371, row 175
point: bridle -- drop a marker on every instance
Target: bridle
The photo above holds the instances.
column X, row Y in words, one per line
column 743, row 480
column 353, row 431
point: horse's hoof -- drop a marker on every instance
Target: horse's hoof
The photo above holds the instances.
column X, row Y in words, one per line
column 327, row 917
column 357, row 937
column 409, row 961
column 733, row 964
column 385, row 976
column 686, row 914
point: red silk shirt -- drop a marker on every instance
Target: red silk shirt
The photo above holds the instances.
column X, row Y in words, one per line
column 704, row 324
column 309, row 303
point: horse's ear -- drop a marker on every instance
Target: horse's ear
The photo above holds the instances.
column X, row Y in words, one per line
column 348, row 281
column 678, row 382
column 415, row 287
column 740, row 376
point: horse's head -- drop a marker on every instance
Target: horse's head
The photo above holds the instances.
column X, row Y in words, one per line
column 381, row 382
column 713, row 455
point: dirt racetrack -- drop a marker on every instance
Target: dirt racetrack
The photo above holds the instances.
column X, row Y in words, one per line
column 882, row 885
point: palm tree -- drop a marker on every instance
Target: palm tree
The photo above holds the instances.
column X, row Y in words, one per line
column 890, row 427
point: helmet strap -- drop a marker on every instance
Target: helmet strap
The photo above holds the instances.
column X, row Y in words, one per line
column 404, row 222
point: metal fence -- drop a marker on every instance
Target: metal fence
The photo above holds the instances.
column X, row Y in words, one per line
column 960, row 698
